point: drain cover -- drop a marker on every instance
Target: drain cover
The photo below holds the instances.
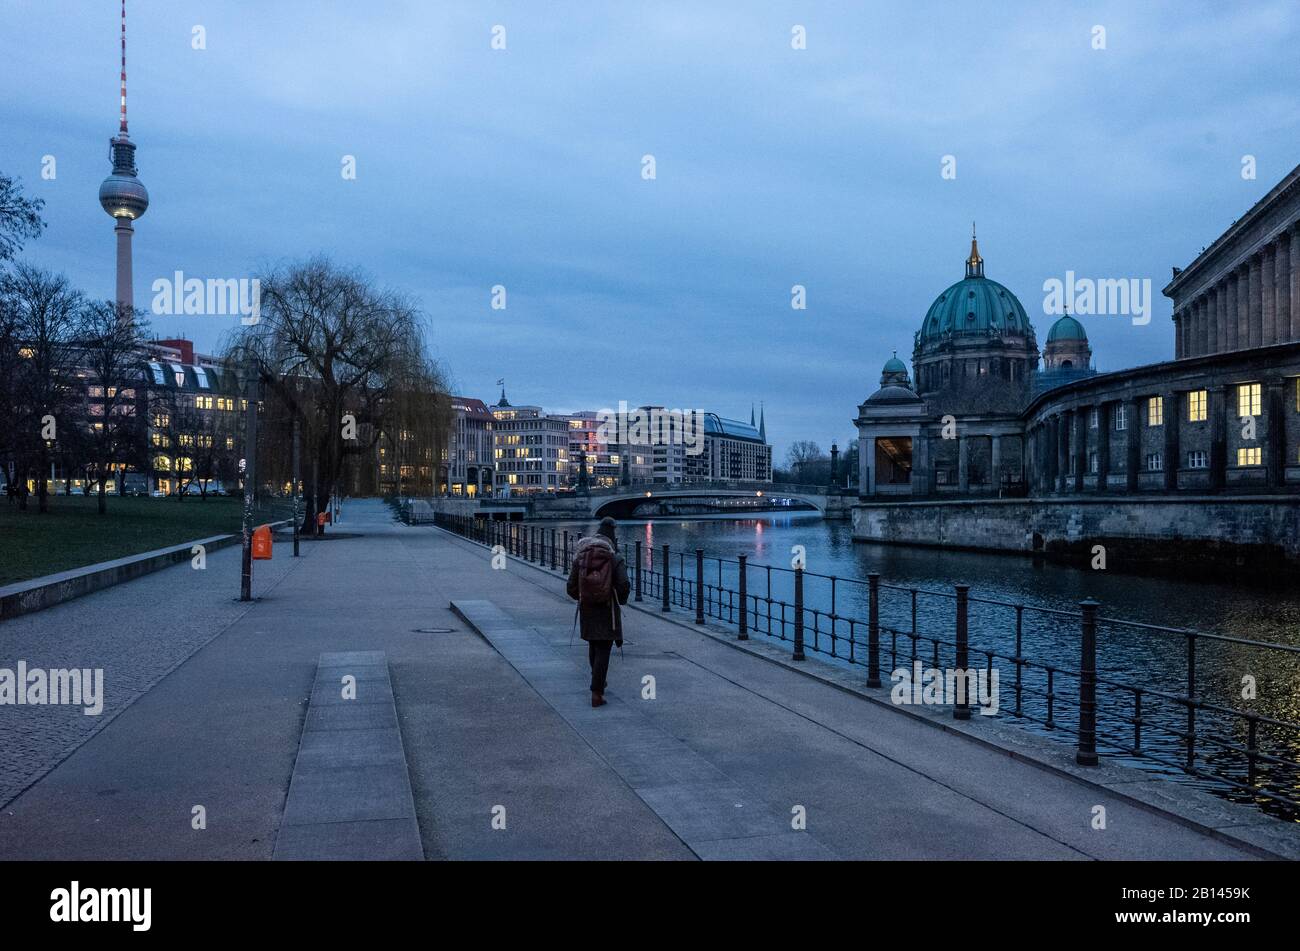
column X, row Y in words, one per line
column 431, row 630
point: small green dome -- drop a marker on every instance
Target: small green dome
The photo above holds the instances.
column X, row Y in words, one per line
column 1066, row 328
column 895, row 365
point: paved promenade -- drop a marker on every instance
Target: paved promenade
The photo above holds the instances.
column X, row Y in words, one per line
column 208, row 698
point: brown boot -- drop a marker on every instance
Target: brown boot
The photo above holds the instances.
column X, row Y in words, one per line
column 597, row 699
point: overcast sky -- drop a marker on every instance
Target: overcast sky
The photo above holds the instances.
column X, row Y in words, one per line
column 775, row 167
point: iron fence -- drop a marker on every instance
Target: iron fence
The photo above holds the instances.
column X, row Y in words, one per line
column 1067, row 669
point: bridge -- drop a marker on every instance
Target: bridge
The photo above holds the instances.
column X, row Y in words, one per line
column 623, row 501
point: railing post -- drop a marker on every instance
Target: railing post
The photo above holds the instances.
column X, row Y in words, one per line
column 961, row 709
column 798, row 615
column 1087, row 755
column 638, row 569
column 665, row 579
column 1191, row 701
column 566, row 551
column 699, row 586
column 744, row 600
column 873, row 631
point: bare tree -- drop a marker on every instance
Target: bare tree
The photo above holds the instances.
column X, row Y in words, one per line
column 20, row 218
column 342, row 357
column 45, row 312
column 807, row 463
column 115, row 414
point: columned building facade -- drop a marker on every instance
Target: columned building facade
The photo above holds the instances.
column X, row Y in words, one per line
column 1243, row 291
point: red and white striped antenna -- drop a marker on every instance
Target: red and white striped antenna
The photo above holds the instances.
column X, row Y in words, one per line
column 123, row 126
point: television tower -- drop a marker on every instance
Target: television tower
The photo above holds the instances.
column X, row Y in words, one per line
column 122, row 195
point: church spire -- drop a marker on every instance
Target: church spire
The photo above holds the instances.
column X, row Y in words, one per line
column 762, row 423
column 974, row 263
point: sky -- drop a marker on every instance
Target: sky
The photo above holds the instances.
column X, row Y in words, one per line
column 523, row 167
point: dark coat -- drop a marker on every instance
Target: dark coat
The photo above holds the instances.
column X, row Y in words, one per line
column 601, row 622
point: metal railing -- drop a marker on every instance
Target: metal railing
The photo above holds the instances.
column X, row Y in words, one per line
column 1057, row 683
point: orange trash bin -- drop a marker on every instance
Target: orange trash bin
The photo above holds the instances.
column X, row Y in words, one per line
column 262, row 542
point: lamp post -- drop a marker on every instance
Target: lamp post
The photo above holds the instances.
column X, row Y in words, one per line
column 297, row 482
column 247, row 375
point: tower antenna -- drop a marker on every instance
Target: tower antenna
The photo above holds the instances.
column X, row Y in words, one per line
column 123, row 125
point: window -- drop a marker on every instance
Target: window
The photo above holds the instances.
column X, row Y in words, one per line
column 1092, row 461
column 1094, row 418
column 1156, row 411
column 1252, row 456
column 1248, row 399
column 1154, row 462
column 1196, row 459
column 203, row 402
column 1121, row 417
column 1196, row 406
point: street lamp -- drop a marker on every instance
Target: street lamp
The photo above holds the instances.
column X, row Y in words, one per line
column 247, row 377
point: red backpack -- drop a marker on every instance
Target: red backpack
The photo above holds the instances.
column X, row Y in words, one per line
column 595, row 575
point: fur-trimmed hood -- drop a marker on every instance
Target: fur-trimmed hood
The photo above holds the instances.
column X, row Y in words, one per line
column 589, row 540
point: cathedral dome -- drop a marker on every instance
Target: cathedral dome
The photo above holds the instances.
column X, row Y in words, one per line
column 975, row 306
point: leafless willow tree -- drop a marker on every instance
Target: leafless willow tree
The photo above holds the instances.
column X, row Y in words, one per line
column 348, row 361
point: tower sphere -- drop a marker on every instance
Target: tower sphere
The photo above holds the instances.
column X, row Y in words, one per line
column 122, row 195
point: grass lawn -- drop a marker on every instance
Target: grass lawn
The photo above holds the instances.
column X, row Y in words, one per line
column 72, row 534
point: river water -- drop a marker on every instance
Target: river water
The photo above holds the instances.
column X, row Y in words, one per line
column 1129, row 657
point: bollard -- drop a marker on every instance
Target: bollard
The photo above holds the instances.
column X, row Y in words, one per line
column 798, row 615
column 664, row 585
column 699, row 586
column 638, row 569
column 744, row 616
column 873, row 631
column 566, row 549
column 961, row 710
column 552, row 547
column 1087, row 755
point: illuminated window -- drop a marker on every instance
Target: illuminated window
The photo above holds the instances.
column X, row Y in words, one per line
column 1252, row 456
column 1248, row 399
column 1196, row 406
column 1155, row 411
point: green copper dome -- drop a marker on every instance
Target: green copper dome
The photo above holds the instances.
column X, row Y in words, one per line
column 975, row 305
column 895, row 365
column 1067, row 328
